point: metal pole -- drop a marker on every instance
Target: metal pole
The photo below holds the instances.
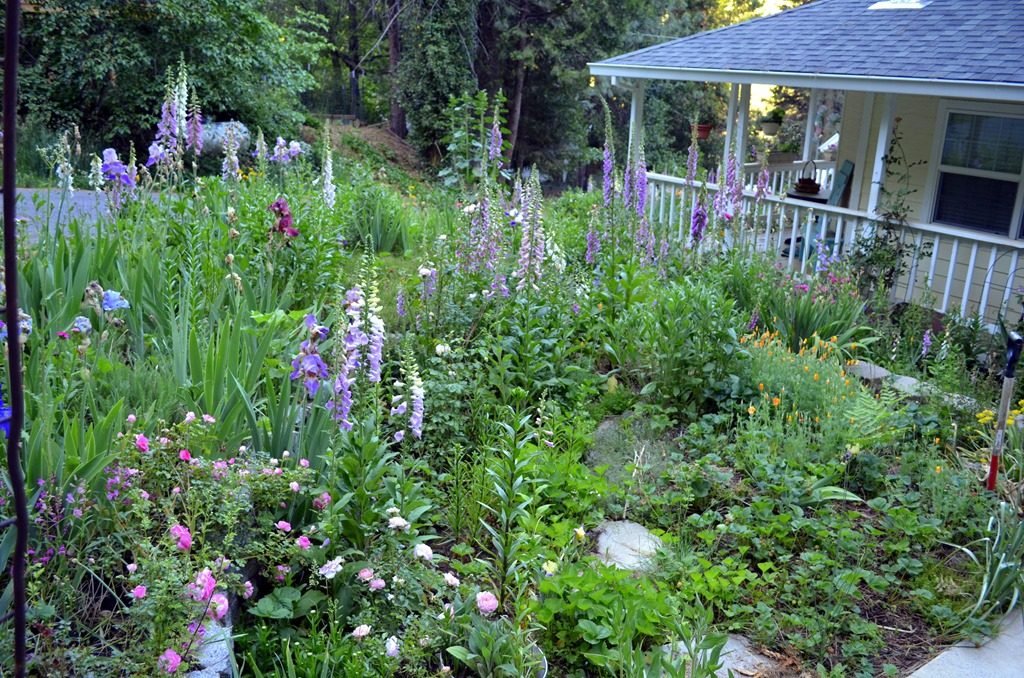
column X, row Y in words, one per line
column 14, row 333
column 1013, row 348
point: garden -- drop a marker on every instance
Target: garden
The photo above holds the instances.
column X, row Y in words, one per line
column 293, row 413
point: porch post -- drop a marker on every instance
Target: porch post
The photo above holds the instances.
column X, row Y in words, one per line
column 744, row 126
column 810, row 145
column 636, row 120
column 881, row 147
column 861, row 159
column 730, row 124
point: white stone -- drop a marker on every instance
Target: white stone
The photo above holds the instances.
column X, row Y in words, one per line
column 868, row 372
column 740, row 657
column 214, row 655
column 998, row 658
column 625, row 544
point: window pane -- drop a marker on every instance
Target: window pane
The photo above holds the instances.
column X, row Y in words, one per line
column 984, row 142
column 982, row 204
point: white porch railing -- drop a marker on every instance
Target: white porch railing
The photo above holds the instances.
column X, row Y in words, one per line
column 949, row 268
column 782, row 176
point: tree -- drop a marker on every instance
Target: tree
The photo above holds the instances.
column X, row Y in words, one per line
column 102, row 64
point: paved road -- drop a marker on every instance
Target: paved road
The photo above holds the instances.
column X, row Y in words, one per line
column 37, row 205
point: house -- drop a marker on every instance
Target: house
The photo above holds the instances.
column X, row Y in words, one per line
column 951, row 71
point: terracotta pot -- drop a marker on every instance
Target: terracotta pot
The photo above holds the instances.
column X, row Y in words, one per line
column 704, row 130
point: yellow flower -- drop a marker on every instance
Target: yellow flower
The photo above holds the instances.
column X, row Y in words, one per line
column 938, row 469
column 938, row 440
column 815, row 376
column 776, row 400
column 580, row 533
column 751, row 409
column 549, row 567
column 760, row 387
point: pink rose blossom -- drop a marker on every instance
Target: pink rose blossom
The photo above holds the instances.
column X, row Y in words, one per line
column 189, row 417
column 131, row 419
column 283, row 525
column 169, row 661
column 294, row 486
column 376, row 584
column 175, row 490
column 322, row 502
column 361, row 631
column 303, row 543
column 208, row 419
column 282, row 570
column 366, row 574
column 162, row 440
column 486, row 602
column 202, row 588
column 142, row 442
column 304, row 463
column 451, row 579
column 131, row 567
column 218, row 606
column 185, row 455
column 184, row 537
column 139, row 591
column 247, row 589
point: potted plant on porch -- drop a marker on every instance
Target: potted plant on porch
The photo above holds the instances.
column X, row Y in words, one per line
column 772, row 121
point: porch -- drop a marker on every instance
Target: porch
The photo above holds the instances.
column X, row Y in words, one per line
column 948, row 270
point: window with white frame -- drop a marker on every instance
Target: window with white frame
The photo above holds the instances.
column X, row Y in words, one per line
column 979, row 175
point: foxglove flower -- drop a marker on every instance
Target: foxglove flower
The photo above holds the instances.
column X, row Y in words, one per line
column 698, row 222
column 926, row 342
column 195, row 127
column 355, row 338
column 376, row 337
column 327, row 189
column 608, row 167
column 494, row 151
column 641, row 185
column 260, row 152
column 229, row 167
column 692, row 156
column 416, row 395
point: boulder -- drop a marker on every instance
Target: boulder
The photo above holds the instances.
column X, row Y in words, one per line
column 625, row 544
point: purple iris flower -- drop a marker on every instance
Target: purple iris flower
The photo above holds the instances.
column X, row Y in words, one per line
column 113, row 301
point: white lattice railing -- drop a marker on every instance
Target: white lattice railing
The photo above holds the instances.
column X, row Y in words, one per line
column 948, row 269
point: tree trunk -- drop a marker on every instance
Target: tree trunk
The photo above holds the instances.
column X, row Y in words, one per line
column 397, row 115
column 355, row 104
column 517, row 103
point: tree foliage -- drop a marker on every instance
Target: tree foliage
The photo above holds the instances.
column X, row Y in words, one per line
column 102, row 64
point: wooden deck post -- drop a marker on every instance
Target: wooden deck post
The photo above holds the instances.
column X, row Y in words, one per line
column 730, row 127
column 743, row 130
column 811, row 141
column 636, row 120
column 881, row 148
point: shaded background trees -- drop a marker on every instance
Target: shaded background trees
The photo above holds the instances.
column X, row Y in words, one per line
column 271, row 63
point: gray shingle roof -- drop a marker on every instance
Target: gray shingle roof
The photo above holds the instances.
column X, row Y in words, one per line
column 972, row 40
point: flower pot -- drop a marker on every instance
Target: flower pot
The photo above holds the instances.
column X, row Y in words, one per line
column 704, row 130
column 770, row 128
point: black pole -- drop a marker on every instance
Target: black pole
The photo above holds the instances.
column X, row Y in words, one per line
column 14, row 333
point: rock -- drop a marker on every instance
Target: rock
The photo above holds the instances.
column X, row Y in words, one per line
column 625, row 544
column 911, row 387
column 214, row 655
column 214, row 134
column 740, row 657
column 871, row 373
